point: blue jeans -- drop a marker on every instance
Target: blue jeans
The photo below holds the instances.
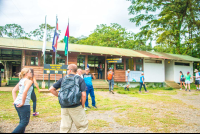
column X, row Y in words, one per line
column 111, row 84
column 99, row 73
column 90, row 90
column 24, row 116
column 33, row 98
column 141, row 84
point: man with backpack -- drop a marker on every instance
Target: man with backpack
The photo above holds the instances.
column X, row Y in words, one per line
column 111, row 80
column 72, row 98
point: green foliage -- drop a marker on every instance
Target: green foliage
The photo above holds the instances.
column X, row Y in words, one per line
column 175, row 28
column 71, row 40
column 12, row 31
column 39, row 32
column 113, row 36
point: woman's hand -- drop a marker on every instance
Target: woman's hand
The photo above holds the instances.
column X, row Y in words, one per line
column 20, row 105
column 38, row 90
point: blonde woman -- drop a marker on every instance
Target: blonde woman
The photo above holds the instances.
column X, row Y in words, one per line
column 22, row 101
column 33, row 96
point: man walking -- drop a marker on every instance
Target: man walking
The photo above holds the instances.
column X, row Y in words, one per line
column 127, row 80
column 72, row 103
column 142, row 83
column 111, row 80
column 197, row 79
column 90, row 90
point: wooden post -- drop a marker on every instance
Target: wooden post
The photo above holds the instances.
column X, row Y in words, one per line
column 53, row 57
column 105, row 67
column 23, row 59
column 86, row 60
column 39, row 57
column 124, row 63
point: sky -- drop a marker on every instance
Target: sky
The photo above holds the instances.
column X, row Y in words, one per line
column 84, row 15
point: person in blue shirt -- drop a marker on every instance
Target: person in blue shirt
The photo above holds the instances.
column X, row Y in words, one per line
column 90, row 90
column 142, row 82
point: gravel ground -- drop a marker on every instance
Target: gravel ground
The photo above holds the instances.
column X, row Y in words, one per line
column 190, row 115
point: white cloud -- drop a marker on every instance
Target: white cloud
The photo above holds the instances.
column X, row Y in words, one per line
column 83, row 15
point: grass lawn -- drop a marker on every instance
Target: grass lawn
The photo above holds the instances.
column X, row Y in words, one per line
column 150, row 110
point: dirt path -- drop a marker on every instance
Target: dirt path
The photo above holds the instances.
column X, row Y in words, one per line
column 190, row 115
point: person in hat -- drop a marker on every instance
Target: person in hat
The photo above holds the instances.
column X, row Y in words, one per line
column 187, row 81
column 111, row 80
column 197, row 78
column 90, row 90
column 142, row 83
column 127, row 82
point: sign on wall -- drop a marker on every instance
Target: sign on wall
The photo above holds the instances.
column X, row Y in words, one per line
column 114, row 60
column 134, row 76
column 55, row 69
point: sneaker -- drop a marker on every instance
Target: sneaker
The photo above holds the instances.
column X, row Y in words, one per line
column 189, row 90
column 180, row 89
column 88, row 107
column 94, row 106
column 128, row 89
column 112, row 92
column 85, row 109
column 36, row 114
column 146, row 91
column 140, row 92
column 186, row 89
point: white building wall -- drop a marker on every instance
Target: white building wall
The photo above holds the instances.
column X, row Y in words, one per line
column 169, row 70
column 184, row 69
column 154, row 72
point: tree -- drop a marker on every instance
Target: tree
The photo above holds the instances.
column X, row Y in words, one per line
column 39, row 32
column 71, row 40
column 13, row 30
column 173, row 27
column 1, row 31
column 110, row 36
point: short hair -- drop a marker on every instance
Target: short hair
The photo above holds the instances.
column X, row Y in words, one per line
column 73, row 67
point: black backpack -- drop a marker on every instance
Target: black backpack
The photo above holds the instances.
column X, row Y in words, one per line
column 70, row 93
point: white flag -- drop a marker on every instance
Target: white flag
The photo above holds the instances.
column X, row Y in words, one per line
column 44, row 38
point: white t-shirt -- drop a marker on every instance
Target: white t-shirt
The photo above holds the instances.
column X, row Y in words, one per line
column 80, row 75
column 197, row 75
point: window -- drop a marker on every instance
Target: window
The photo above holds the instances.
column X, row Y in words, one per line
column 130, row 64
column 153, row 61
column 81, row 61
column 182, row 64
column 134, row 64
column 139, row 65
column 60, row 59
column 120, row 66
column 48, row 58
column 34, row 61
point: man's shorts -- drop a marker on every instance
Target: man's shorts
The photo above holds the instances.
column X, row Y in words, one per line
column 187, row 82
column 196, row 82
column 127, row 83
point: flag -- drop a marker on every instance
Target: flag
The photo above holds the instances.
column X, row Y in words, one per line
column 55, row 38
column 66, row 38
column 44, row 38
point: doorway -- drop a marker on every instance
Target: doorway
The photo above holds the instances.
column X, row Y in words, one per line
column 93, row 63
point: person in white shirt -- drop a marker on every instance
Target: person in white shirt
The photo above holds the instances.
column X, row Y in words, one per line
column 197, row 78
column 79, row 72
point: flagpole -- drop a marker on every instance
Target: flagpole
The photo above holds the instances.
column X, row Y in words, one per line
column 44, row 51
column 55, row 49
column 67, row 43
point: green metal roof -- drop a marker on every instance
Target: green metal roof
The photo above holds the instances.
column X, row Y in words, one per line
column 37, row 45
